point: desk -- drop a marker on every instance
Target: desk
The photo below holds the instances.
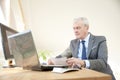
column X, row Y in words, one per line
column 20, row 74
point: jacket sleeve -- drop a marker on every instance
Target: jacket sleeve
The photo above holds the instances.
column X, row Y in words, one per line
column 67, row 53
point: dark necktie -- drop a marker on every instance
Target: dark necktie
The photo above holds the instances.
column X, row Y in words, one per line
column 83, row 50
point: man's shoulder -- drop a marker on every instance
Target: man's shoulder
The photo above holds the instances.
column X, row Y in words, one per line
column 74, row 40
column 98, row 38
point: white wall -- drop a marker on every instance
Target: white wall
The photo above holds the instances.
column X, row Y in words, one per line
column 51, row 23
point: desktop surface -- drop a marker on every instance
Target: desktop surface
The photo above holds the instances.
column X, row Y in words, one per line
column 20, row 74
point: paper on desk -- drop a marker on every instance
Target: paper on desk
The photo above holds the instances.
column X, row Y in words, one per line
column 63, row 70
column 59, row 61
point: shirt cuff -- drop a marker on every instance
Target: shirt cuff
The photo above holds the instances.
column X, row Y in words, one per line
column 87, row 64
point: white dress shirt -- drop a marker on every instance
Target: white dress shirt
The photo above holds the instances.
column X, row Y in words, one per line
column 80, row 50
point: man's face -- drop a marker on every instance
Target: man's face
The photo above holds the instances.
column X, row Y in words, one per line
column 80, row 30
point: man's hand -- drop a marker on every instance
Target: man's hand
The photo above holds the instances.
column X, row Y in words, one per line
column 50, row 62
column 75, row 61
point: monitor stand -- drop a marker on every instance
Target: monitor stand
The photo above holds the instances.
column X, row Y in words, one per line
column 9, row 64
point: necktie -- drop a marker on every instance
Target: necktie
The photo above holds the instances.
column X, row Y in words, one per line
column 83, row 50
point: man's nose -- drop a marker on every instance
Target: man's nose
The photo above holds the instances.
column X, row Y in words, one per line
column 75, row 30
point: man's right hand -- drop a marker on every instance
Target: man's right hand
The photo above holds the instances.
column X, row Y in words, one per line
column 50, row 62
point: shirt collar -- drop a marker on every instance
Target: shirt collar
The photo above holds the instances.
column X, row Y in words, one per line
column 87, row 38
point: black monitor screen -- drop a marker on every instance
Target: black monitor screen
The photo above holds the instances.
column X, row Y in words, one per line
column 6, row 31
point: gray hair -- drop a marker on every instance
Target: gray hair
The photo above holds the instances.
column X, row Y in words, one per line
column 85, row 21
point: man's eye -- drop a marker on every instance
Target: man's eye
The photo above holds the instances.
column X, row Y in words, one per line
column 78, row 27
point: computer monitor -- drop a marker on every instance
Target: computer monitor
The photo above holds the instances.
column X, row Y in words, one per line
column 6, row 31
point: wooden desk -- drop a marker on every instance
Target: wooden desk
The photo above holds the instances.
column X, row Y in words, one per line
column 20, row 74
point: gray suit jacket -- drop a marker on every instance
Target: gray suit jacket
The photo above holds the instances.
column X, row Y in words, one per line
column 97, row 53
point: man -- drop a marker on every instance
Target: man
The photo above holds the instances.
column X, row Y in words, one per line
column 87, row 50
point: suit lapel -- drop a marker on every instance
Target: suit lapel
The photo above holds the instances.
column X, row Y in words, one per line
column 90, row 44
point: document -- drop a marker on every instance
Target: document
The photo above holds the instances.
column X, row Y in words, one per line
column 63, row 70
column 59, row 61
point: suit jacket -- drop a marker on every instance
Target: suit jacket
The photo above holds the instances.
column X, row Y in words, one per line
column 97, row 53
